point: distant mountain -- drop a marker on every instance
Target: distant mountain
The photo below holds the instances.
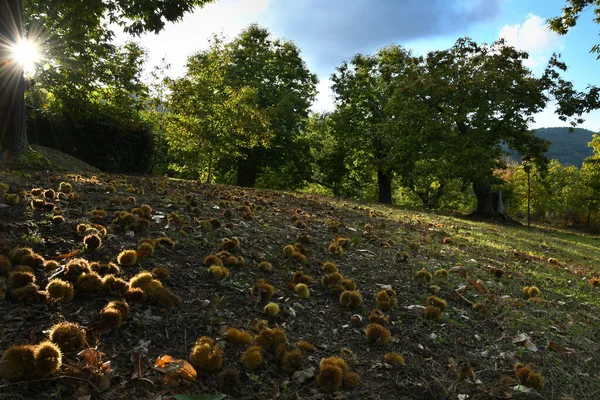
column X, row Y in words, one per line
column 569, row 148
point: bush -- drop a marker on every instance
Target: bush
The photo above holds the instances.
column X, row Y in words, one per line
column 99, row 140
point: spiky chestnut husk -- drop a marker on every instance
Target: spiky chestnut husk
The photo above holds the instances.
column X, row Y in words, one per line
column 164, row 242
column 272, row 310
column 48, row 359
column 306, row 346
column 270, row 338
column 252, row 357
column 332, row 280
column 166, row 298
column 161, row 273
column 432, row 313
column 206, row 355
column 332, row 371
column 65, row 187
column 59, row 291
column 386, row 299
column 33, row 260
column 293, row 360
column 68, row 336
column 533, row 291
column 236, row 336
column 135, row 295
column 288, row 251
column 51, row 265
column 145, row 281
column 89, row 282
column 127, row 257
column 298, row 257
column 423, row 276
column 378, row 317
column 2, row 291
column 441, row 273
column 351, row 380
column 145, row 250
column 265, row 266
column 329, row 267
column 350, row 299
column 114, row 286
column 394, row 359
column 329, row 378
column 16, row 255
column 92, row 242
column 213, row 259
column 18, row 362
column 299, row 277
column 262, row 290
column 219, row 273
column 111, row 317
column 75, row 268
column 436, row 302
column 302, row 291
column 229, row 378
column 27, row 294
column 528, row 377
column 5, row 265
column 377, row 333
column 17, row 279
column 230, row 244
column 103, row 269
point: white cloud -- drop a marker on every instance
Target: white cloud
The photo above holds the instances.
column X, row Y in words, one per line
column 324, row 100
column 179, row 40
column 532, row 36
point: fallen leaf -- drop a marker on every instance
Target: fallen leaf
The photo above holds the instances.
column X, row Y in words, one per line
column 175, row 368
column 304, row 375
column 559, row 348
column 138, row 366
column 478, row 286
column 91, row 357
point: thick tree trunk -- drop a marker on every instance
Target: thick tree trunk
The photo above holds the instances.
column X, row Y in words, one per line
column 489, row 203
column 247, row 171
column 384, row 187
column 13, row 136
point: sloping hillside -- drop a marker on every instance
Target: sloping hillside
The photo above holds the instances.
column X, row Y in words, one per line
column 482, row 335
column 569, row 148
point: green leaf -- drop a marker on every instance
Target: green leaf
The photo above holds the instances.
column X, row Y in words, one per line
column 200, row 397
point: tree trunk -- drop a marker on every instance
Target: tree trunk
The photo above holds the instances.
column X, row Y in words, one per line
column 489, row 204
column 384, row 187
column 247, row 171
column 13, row 136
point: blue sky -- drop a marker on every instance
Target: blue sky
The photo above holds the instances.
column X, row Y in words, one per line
column 331, row 31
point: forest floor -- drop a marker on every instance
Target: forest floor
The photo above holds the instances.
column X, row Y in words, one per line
column 487, row 327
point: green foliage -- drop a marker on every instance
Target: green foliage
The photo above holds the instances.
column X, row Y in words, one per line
column 241, row 106
column 570, row 14
column 208, row 119
column 562, row 195
column 100, row 123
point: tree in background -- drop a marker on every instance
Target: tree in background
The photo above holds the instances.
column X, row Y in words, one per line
column 590, row 180
column 572, row 102
column 571, row 12
column 74, row 39
column 364, row 121
column 208, row 119
column 484, row 97
column 284, row 88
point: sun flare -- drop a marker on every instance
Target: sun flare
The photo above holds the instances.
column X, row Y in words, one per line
column 27, row 54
